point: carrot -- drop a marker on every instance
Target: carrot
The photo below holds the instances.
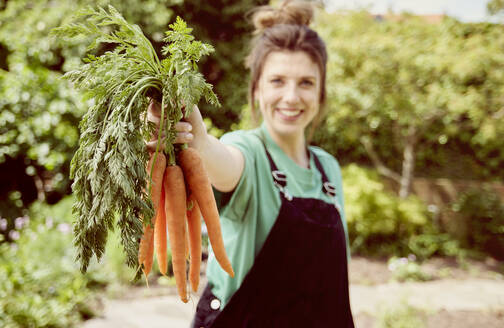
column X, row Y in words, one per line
column 199, row 185
column 157, row 178
column 194, row 229
column 146, row 249
column 160, row 236
column 175, row 208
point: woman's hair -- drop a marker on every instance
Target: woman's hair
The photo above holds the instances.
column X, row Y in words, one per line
column 285, row 29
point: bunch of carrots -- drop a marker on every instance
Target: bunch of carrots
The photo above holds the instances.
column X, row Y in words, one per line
column 111, row 153
column 181, row 194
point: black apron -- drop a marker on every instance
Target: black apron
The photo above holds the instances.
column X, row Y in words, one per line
column 300, row 276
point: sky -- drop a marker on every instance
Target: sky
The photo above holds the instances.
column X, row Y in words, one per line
column 464, row 10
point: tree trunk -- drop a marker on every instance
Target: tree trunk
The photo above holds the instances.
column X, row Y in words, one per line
column 39, row 184
column 408, row 165
column 380, row 167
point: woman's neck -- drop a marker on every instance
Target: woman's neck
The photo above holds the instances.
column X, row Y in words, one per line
column 293, row 146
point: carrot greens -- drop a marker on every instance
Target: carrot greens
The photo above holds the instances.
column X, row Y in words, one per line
column 109, row 167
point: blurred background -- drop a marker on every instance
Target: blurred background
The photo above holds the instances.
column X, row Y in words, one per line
column 415, row 115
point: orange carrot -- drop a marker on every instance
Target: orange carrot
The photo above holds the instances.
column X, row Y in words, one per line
column 194, row 229
column 146, row 252
column 157, row 178
column 160, row 236
column 146, row 249
column 199, row 185
column 175, row 208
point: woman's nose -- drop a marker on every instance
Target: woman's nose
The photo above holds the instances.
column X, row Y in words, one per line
column 291, row 94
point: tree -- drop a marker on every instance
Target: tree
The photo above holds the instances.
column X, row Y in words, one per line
column 402, row 92
column 495, row 7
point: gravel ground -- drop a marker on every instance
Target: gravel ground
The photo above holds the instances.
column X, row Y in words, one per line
column 462, row 296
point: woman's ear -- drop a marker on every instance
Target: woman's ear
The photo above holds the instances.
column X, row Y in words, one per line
column 255, row 93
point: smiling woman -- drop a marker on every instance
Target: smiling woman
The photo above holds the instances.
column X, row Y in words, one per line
column 281, row 210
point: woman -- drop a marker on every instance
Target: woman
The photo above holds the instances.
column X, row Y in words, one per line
column 281, row 201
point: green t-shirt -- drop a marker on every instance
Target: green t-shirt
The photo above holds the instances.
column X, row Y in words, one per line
column 250, row 210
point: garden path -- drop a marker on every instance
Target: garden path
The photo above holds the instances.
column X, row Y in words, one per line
column 476, row 298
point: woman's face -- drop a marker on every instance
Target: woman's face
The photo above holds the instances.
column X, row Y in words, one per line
column 288, row 92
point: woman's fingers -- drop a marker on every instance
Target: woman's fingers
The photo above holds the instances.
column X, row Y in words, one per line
column 151, row 117
column 196, row 120
column 183, row 127
column 180, row 126
column 199, row 130
column 151, row 145
column 182, row 137
column 154, row 109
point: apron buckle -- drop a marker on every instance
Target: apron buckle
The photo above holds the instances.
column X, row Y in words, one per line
column 283, row 190
column 279, row 177
column 329, row 189
column 280, row 181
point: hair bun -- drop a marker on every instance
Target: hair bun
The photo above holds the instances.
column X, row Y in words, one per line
column 289, row 12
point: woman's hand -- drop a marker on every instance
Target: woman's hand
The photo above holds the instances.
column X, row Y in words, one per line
column 223, row 163
column 192, row 131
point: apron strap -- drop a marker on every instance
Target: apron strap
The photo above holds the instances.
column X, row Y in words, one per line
column 279, row 177
column 327, row 187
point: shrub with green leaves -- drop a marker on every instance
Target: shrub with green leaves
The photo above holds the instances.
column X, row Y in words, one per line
column 433, row 243
column 407, row 269
column 481, row 212
column 40, row 284
column 401, row 315
column 379, row 222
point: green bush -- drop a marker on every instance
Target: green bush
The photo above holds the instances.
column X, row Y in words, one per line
column 112, row 268
column 402, row 315
column 40, row 282
column 382, row 224
column 407, row 269
column 40, row 285
column 379, row 222
column 434, row 243
column 482, row 214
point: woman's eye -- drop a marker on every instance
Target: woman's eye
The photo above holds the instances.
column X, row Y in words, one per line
column 276, row 81
column 307, row 83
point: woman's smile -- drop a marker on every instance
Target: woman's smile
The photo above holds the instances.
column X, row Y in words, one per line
column 289, row 114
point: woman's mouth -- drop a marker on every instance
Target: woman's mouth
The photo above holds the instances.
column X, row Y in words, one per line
column 289, row 114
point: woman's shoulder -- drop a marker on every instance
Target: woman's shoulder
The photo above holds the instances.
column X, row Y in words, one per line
column 324, row 157
column 247, row 139
column 329, row 163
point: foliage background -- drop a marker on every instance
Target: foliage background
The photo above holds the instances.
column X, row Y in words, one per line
column 406, row 99
column 401, row 81
column 39, row 112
